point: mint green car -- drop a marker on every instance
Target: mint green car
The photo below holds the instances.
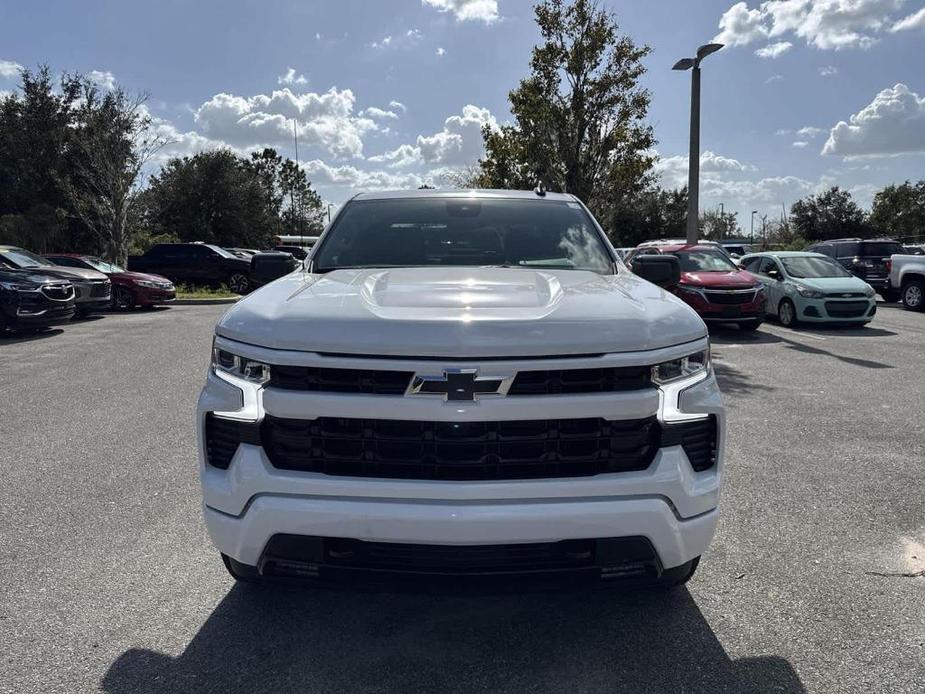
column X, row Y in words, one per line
column 811, row 288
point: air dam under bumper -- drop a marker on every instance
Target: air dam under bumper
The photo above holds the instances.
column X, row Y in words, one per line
column 675, row 540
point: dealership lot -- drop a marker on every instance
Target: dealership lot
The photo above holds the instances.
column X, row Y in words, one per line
column 109, row 581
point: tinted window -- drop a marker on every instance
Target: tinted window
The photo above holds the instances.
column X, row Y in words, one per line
column 848, row 250
column 463, row 232
column 159, row 251
column 751, row 264
column 880, row 250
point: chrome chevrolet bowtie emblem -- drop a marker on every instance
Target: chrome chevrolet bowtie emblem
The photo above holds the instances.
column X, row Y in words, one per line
column 459, row 385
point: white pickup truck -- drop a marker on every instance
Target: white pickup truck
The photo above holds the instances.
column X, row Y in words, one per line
column 462, row 384
column 907, row 277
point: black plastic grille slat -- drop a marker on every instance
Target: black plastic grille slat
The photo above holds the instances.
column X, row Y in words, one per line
column 460, row 450
column 99, row 289
column 846, row 309
column 697, row 438
column 730, row 299
column 223, row 437
column 381, row 382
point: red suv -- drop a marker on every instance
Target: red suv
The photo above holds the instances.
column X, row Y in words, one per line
column 129, row 289
column 713, row 285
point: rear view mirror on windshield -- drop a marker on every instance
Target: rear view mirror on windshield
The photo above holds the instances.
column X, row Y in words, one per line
column 663, row 270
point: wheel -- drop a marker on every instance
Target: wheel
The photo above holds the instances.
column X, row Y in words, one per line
column 122, row 298
column 751, row 325
column 787, row 314
column 243, row 573
column 239, row 283
column 678, row 575
column 914, row 295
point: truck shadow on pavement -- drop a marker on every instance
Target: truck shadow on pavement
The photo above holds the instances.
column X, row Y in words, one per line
column 344, row 641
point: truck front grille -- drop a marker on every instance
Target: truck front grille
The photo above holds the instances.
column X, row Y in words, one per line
column 394, row 449
column 460, row 450
column 381, row 382
column 724, row 298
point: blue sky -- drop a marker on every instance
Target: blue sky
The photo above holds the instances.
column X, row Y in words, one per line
column 392, row 93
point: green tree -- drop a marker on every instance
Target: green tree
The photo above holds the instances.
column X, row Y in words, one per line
column 579, row 116
column 829, row 215
column 899, row 211
column 718, row 225
column 290, row 199
column 654, row 213
column 215, row 197
column 35, row 135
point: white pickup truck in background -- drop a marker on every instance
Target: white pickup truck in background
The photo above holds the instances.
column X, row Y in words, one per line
column 907, row 276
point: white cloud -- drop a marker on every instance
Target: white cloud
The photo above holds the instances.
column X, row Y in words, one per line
column 673, row 170
column 352, row 177
column 458, row 144
column 828, row 70
column 893, row 123
column 810, row 131
column 800, row 144
column 784, row 131
column 824, row 24
column 290, row 77
column 399, row 105
column 324, row 120
column 410, row 37
column 774, row 50
column 466, row 10
column 774, row 78
column 104, row 79
column 441, row 51
column 9, row 69
column 913, row 21
column 378, row 113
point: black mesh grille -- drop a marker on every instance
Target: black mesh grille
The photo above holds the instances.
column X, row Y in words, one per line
column 846, row 309
column 460, row 450
column 572, row 381
column 340, row 380
column 698, row 438
column 223, row 437
column 730, row 299
column 99, row 289
column 380, row 382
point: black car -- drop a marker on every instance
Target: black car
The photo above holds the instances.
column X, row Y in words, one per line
column 864, row 258
column 195, row 263
column 30, row 300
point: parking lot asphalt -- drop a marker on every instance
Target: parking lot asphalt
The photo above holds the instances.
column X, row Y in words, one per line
column 109, row 582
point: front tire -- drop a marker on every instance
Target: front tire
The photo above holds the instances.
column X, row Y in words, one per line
column 914, row 295
column 787, row 313
column 123, row 299
column 239, row 283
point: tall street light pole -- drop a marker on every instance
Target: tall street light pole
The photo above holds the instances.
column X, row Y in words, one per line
column 693, row 160
column 754, row 212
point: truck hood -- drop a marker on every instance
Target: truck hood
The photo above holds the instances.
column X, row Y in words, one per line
column 461, row 312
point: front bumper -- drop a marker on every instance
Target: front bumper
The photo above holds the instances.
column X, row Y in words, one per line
column 669, row 504
column 724, row 313
column 827, row 311
column 145, row 296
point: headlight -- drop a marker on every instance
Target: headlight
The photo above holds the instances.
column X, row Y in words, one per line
column 869, row 291
column 149, row 284
column 17, row 287
column 248, row 369
column 690, row 289
column 685, row 367
column 809, row 293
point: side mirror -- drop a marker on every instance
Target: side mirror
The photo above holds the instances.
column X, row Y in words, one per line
column 266, row 267
column 663, row 270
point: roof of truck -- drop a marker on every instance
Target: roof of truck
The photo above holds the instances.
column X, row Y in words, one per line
column 473, row 193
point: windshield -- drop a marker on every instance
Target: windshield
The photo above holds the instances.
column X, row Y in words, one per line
column 102, row 265
column 808, row 267
column 424, row 232
column 221, row 251
column 21, row 258
column 704, row 261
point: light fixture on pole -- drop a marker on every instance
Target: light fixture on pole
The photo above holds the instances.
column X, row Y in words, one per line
column 693, row 161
